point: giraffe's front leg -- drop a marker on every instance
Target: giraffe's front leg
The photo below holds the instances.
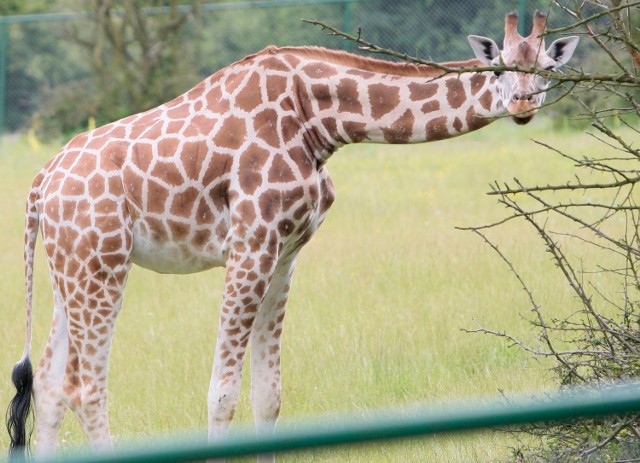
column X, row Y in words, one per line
column 248, row 277
column 265, row 353
column 265, row 350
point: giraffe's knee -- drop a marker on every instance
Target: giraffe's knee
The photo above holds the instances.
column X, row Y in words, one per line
column 87, row 399
column 80, row 390
column 222, row 404
column 46, row 394
column 88, row 396
column 47, row 385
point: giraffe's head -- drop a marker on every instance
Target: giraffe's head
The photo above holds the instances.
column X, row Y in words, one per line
column 522, row 94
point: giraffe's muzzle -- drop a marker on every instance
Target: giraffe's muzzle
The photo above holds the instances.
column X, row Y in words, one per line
column 522, row 109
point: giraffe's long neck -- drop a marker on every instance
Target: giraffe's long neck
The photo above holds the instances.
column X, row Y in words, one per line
column 390, row 103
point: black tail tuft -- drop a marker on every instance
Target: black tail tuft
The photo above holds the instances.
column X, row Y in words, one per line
column 20, row 407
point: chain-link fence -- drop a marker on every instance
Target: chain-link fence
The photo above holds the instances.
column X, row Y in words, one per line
column 54, row 68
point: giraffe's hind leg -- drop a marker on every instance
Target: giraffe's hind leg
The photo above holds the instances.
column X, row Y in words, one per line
column 85, row 384
column 89, row 261
column 91, row 321
column 73, row 370
column 47, row 384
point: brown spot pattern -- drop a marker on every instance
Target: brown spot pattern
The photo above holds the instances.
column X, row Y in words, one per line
column 302, row 160
column 401, row 130
column 291, row 126
column 280, row 172
column 431, row 106
column 219, row 165
column 419, row 92
column 276, row 86
column 192, row 157
column 156, row 197
column 233, row 81
column 360, row 73
column 265, row 124
column 356, row 131
column 275, row 64
column 474, row 121
column 269, row 203
column 246, row 212
column 183, row 202
column 188, row 185
column 456, row 95
column 486, row 99
column 348, row 97
column 251, row 163
column 383, row 99
column 250, row 95
column 437, row 128
column 142, row 155
column 319, row 70
column 322, row 94
column 232, row 134
column 477, row 81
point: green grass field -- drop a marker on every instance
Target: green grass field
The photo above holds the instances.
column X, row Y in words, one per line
column 379, row 299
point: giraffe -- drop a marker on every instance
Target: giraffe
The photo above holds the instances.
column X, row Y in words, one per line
column 232, row 173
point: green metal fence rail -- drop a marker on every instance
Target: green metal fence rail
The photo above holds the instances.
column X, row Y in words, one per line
column 421, row 421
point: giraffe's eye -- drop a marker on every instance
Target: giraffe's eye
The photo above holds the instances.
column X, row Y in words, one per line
column 550, row 68
column 497, row 73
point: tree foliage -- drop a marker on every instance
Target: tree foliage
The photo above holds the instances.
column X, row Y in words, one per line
column 137, row 60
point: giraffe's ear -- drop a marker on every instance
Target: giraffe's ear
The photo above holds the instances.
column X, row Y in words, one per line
column 562, row 49
column 484, row 48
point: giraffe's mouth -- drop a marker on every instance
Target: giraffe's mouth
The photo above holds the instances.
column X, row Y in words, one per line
column 522, row 120
column 522, row 111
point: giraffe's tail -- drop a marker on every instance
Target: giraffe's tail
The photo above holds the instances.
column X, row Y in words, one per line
column 20, row 407
column 22, row 375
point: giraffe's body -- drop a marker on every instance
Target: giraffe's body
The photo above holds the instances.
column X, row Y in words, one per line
column 191, row 155
column 229, row 174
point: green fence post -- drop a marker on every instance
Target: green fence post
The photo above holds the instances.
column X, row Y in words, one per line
column 522, row 13
column 347, row 22
column 4, row 47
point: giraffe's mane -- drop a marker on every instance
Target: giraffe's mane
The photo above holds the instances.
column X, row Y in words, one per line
column 365, row 63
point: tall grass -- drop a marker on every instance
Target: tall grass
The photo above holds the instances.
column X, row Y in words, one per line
column 378, row 302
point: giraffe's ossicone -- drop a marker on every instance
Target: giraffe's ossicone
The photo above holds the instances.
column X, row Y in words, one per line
column 232, row 173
